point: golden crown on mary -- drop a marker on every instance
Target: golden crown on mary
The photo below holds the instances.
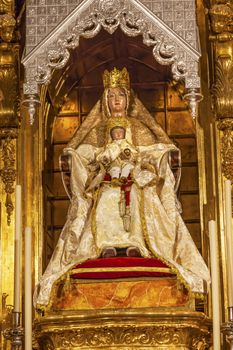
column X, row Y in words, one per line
column 116, row 78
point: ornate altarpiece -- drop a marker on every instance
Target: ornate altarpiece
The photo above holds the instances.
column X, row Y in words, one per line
column 54, row 34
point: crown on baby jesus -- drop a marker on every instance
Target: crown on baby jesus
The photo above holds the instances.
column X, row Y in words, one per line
column 121, row 122
column 116, row 78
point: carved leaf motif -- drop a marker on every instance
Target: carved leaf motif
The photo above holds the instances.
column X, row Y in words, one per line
column 223, row 88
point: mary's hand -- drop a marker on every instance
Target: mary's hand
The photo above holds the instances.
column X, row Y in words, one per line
column 148, row 163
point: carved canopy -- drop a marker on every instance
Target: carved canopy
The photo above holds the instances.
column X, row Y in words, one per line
column 55, row 27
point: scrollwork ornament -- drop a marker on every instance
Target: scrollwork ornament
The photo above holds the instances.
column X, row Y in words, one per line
column 122, row 336
column 43, row 76
column 88, row 28
column 8, row 172
column 165, row 336
column 164, row 53
column 58, row 58
column 110, row 15
column 200, row 343
column 131, row 25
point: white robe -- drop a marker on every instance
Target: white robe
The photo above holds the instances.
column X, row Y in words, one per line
column 94, row 222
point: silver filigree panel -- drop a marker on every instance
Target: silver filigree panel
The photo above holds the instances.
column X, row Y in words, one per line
column 178, row 15
column 42, row 16
column 169, row 46
column 133, row 18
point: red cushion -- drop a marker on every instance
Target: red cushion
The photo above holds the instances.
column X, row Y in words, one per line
column 121, row 267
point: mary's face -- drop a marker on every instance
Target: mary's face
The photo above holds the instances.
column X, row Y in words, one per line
column 117, row 100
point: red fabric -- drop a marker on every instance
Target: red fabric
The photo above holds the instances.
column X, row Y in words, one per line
column 107, row 177
column 127, row 196
column 126, row 188
column 120, row 262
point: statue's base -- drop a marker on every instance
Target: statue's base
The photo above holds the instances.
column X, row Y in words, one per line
column 142, row 313
column 124, row 329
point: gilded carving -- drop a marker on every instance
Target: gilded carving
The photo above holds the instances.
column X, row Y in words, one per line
column 223, row 107
column 6, row 6
column 9, row 99
column 227, row 153
column 111, row 331
column 132, row 336
column 226, row 126
column 6, row 312
column 227, row 329
column 8, row 172
column 9, row 104
column 7, row 27
column 201, row 342
column 221, row 15
column 223, row 87
column 35, row 344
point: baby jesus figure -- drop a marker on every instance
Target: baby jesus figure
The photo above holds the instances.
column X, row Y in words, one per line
column 119, row 156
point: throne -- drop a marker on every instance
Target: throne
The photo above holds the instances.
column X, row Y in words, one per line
column 120, row 282
column 122, row 302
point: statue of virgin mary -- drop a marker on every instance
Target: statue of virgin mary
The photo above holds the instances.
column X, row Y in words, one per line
column 138, row 214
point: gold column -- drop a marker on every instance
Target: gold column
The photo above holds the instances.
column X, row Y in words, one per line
column 9, row 124
column 221, row 37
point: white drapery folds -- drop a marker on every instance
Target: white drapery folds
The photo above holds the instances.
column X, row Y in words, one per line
column 93, row 220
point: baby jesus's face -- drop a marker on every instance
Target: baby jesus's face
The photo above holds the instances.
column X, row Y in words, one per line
column 117, row 133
